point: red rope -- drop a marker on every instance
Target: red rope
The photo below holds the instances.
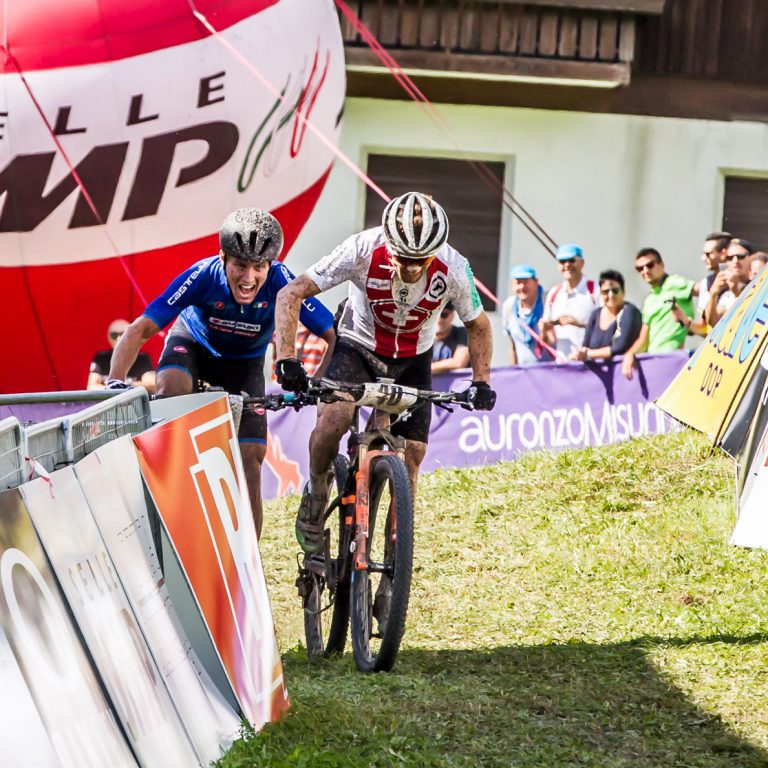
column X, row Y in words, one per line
column 306, row 122
column 276, row 93
column 40, row 328
column 74, row 174
column 482, row 170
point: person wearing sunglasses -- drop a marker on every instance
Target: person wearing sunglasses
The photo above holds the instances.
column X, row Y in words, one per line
column 731, row 281
column 142, row 372
column 614, row 327
column 521, row 315
column 569, row 304
column 714, row 258
column 400, row 276
column 667, row 310
column 450, row 351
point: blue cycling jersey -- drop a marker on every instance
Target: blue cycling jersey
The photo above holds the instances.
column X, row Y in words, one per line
column 202, row 298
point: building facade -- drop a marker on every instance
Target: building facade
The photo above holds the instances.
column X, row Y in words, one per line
column 615, row 124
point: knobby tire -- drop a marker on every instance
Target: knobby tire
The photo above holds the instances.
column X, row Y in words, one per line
column 386, row 471
column 326, row 630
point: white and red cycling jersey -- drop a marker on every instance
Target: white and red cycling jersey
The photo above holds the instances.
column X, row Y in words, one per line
column 385, row 314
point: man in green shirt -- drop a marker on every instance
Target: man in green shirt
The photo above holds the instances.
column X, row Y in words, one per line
column 667, row 310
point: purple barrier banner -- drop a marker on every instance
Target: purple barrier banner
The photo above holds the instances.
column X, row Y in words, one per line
column 547, row 406
column 554, row 407
column 34, row 413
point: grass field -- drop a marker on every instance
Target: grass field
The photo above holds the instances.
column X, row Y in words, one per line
column 577, row 609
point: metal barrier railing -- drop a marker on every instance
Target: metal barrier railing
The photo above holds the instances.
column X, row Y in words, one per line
column 58, row 442
column 46, row 444
column 125, row 414
column 11, row 456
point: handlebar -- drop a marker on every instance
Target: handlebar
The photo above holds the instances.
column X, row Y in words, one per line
column 384, row 396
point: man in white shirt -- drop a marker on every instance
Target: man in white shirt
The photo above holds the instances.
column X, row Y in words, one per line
column 569, row 304
column 400, row 276
column 521, row 314
column 728, row 284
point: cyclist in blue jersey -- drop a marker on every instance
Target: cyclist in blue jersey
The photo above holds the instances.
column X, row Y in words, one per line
column 224, row 312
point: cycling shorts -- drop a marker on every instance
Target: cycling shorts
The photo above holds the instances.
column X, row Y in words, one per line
column 354, row 364
column 232, row 375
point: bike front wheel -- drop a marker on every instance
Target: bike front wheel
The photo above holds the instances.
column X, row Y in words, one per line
column 326, row 603
column 380, row 592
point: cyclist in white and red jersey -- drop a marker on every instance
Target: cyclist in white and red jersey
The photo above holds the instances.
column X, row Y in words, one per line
column 400, row 277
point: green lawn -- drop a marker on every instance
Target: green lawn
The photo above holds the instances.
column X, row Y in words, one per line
column 575, row 609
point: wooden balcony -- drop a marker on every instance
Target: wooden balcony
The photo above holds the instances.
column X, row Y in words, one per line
column 586, row 42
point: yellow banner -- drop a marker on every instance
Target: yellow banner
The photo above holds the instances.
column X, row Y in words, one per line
column 705, row 393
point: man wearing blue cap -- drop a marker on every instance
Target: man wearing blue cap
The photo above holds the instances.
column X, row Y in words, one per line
column 521, row 314
column 568, row 305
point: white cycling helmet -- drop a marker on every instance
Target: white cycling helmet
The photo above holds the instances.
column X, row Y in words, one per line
column 250, row 234
column 414, row 225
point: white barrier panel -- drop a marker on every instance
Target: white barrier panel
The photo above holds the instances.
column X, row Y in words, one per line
column 96, row 528
column 85, row 571
column 11, row 456
column 80, row 724
column 111, row 481
column 23, row 738
column 752, row 523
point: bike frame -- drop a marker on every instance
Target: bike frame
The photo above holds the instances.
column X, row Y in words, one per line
column 364, row 446
column 363, row 449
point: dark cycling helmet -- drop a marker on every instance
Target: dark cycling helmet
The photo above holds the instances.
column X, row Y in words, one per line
column 414, row 225
column 250, row 234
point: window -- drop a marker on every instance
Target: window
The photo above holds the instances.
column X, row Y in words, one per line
column 474, row 209
column 745, row 210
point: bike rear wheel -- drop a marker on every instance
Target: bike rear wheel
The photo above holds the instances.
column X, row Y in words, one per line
column 326, row 602
column 380, row 593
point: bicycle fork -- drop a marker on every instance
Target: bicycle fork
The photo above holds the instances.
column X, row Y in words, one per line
column 362, row 512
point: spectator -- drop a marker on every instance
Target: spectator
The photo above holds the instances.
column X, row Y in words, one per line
column 667, row 310
column 729, row 283
column 759, row 260
column 450, row 350
column 569, row 305
column 141, row 372
column 613, row 328
column 521, row 314
column 714, row 255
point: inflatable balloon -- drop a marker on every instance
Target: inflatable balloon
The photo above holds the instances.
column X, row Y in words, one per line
column 128, row 130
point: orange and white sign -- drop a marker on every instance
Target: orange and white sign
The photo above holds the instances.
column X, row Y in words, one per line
column 194, row 471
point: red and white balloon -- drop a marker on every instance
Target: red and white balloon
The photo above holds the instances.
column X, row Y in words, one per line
column 167, row 131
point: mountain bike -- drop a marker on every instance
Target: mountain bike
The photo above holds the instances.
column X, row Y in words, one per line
column 363, row 574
